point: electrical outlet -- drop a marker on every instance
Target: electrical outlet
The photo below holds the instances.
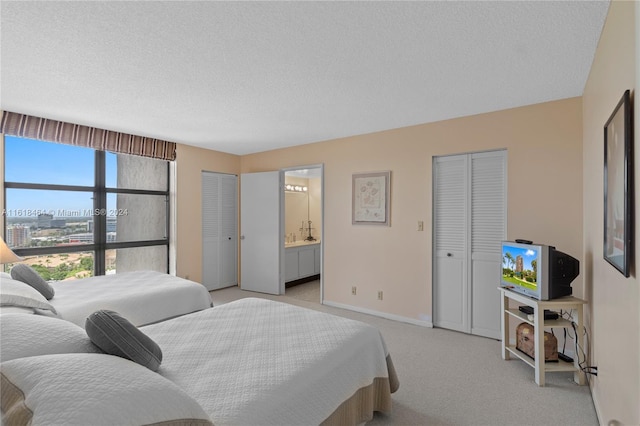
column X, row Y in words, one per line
column 380, row 295
column 420, row 225
column 353, row 290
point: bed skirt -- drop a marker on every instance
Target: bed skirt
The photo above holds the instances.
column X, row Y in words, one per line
column 375, row 397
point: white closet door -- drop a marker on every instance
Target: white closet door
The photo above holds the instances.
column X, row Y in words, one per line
column 469, row 221
column 262, row 221
column 219, row 230
column 229, row 230
column 488, row 228
column 450, row 216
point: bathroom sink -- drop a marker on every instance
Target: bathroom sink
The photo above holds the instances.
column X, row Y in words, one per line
column 301, row 243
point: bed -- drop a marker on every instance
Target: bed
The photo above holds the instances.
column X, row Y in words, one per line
column 247, row 362
column 143, row 297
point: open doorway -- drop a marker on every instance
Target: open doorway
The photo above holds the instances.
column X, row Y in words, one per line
column 303, row 232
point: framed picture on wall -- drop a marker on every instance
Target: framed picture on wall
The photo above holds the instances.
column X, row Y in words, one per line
column 618, row 186
column 370, row 198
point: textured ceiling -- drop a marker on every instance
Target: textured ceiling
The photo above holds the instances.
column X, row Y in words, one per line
column 243, row 77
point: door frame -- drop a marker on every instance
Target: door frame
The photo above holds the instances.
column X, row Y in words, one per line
column 321, row 167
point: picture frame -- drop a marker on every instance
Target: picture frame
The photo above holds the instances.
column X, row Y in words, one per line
column 618, row 186
column 371, row 198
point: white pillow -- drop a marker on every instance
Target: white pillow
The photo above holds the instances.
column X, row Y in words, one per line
column 16, row 310
column 17, row 293
column 32, row 335
column 95, row 389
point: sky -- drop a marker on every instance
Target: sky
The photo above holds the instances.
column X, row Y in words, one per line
column 527, row 255
column 32, row 161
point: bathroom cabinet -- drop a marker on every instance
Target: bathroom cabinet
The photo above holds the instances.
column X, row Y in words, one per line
column 301, row 260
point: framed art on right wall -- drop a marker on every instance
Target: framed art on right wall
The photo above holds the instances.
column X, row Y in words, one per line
column 618, row 186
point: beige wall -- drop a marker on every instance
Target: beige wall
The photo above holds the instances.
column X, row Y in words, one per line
column 544, row 148
column 190, row 162
column 614, row 301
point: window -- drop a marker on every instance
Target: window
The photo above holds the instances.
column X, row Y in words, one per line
column 73, row 211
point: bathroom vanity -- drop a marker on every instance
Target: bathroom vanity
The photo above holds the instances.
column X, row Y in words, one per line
column 301, row 260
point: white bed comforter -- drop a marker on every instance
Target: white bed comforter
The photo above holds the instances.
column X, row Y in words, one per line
column 142, row 297
column 256, row 361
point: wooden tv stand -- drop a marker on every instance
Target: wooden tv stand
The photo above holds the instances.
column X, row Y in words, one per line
column 539, row 307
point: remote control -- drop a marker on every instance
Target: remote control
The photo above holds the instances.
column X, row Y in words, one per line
column 518, row 240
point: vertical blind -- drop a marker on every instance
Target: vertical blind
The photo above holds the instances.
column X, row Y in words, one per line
column 27, row 126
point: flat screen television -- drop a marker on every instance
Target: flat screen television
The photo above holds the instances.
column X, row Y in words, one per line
column 537, row 270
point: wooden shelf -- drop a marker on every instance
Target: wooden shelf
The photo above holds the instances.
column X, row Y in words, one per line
column 560, row 366
column 548, row 366
column 523, row 357
column 520, row 315
column 540, row 366
column 556, row 323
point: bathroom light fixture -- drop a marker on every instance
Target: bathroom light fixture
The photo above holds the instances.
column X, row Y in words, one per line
column 295, row 188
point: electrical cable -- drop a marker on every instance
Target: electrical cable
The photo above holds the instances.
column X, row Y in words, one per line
column 587, row 369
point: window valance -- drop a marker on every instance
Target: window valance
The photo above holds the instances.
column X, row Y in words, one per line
column 27, row 126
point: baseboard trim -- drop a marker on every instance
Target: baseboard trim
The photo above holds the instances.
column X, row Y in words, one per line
column 375, row 313
column 293, row 283
column 596, row 402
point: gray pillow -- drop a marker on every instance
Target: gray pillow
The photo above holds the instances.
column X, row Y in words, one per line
column 115, row 335
column 26, row 274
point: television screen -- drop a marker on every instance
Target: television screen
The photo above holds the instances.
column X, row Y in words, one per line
column 520, row 266
column 537, row 270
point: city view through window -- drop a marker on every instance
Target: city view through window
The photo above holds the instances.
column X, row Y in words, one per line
column 67, row 225
column 58, row 229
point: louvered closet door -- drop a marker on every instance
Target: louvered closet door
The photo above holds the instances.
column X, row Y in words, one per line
column 229, row 230
column 469, row 221
column 488, row 228
column 219, row 230
column 450, row 217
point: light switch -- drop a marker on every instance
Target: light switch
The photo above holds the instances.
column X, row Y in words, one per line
column 420, row 225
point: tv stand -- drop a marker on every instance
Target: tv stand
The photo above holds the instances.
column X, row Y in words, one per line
column 539, row 307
